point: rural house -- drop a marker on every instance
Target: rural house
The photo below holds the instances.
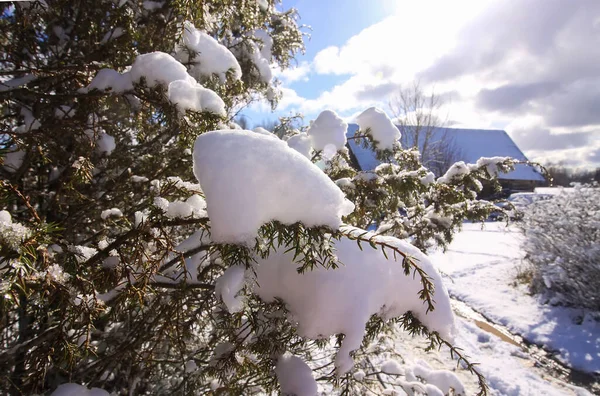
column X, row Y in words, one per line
column 468, row 145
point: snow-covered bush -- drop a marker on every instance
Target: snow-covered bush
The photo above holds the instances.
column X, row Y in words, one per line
column 149, row 246
column 562, row 245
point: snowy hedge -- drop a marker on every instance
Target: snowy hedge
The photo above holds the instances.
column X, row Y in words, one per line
column 562, row 243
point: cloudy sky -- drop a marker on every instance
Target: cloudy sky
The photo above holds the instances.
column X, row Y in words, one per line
column 530, row 67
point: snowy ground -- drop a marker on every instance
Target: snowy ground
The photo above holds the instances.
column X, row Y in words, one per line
column 482, row 265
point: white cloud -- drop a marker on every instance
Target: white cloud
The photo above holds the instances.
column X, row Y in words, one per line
column 294, row 73
column 530, row 68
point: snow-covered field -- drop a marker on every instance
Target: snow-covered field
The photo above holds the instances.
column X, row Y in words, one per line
column 482, row 264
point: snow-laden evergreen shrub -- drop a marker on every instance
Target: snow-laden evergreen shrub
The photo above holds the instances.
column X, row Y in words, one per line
column 562, row 244
column 148, row 248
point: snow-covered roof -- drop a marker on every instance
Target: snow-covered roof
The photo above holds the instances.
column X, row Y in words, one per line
column 473, row 144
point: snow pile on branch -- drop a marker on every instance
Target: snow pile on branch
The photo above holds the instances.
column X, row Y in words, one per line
column 382, row 129
column 114, row 212
column 294, row 376
column 250, row 179
column 325, row 302
column 78, row 390
column 208, row 55
column 491, row 163
column 459, row 169
column 301, row 143
column 17, row 82
column 12, row 161
column 111, row 79
column 12, row 234
column 443, row 380
column 259, row 55
column 194, row 206
column 328, row 129
column 391, row 366
column 111, row 35
column 193, row 96
column 159, row 68
column 229, row 285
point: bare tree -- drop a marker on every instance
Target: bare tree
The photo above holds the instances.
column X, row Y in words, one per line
column 417, row 115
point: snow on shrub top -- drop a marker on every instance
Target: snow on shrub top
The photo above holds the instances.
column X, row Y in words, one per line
column 325, row 302
column 188, row 95
column 250, row 179
column 158, row 68
column 382, row 128
column 328, row 129
column 211, row 56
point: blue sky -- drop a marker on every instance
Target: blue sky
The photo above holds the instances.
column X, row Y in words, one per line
column 529, row 67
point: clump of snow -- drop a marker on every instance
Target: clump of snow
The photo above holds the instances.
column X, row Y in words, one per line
column 327, row 129
column 56, row 273
column 82, row 253
column 324, row 302
column 258, row 51
column 210, row 58
column 250, row 179
column 359, row 375
column 381, row 127
column 190, row 366
column 263, row 131
column 294, row 376
column 30, row 123
column 16, row 82
column 152, row 5
column 78, row 390
column 105, row 143
column 114, row 212
column 12, row 161
column 111, row 35
column 12, row 234
column 444, row 380
column 194, row 206
column 110, row 79
column 263, row 5
column 139, row 179
column 392, row 367
column 158, row 68
column 139, row 218
column 229, row 285
column 427, row 179
column 189, row 95
column 302, row 144
column 457, row 170
column 491, row 163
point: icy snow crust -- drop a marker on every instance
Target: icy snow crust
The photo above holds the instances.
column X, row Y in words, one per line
column 250, row 179
column 325, row 302
column 382, row 128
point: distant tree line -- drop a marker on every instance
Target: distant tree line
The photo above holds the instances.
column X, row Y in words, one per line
column 564, row 176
